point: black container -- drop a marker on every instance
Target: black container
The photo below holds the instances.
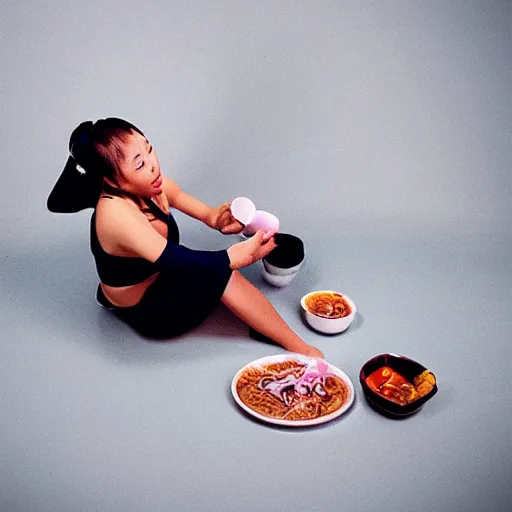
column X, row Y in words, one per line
column 402, row 365
column 288, row 253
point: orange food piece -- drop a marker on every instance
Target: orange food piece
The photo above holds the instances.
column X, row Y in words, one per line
column 424, row 382
column 392, row 385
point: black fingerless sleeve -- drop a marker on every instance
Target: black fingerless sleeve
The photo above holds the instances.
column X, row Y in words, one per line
column 179, row 257
column 212, row 268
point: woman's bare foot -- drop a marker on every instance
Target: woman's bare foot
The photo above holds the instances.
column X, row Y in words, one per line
column 251, row 306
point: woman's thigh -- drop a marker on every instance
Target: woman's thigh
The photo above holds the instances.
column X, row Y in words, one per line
column 168, row 310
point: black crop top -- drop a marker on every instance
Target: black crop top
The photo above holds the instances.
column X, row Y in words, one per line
column 126, row 271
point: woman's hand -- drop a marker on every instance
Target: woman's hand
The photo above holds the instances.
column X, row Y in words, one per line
column 252, row 250
column 221, row 219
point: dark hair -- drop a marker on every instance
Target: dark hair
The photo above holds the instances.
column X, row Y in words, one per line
column 98, row 149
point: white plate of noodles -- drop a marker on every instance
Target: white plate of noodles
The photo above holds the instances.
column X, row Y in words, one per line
column 292, row 390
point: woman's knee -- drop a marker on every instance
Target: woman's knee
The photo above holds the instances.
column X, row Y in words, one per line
column 232, row 287
column 233, row 279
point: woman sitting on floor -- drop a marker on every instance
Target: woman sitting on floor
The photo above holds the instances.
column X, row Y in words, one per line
column 159, row 287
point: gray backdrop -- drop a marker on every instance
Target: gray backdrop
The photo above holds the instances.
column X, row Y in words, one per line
column 380, row 132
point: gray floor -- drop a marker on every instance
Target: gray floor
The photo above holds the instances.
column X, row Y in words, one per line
column 380, row 133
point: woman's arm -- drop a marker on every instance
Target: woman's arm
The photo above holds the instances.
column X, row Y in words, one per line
column 214, row 217
column 186, row 203
column 130, row 230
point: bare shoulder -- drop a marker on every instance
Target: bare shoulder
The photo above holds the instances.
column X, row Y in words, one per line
column 124, row 230
column 115, row 212
column 115, row 220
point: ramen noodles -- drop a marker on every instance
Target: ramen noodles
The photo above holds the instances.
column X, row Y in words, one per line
column 328, row 305
column 292, row 390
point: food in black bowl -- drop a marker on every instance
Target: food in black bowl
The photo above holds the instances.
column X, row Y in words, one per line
column 396, row 385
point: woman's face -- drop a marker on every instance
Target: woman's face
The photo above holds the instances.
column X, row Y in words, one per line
column 140, row 173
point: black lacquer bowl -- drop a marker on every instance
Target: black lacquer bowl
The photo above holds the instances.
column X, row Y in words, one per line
column 402, row 365
column 288, row 253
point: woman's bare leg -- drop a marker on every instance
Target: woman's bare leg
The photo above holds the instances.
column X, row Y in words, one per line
column 251, row 306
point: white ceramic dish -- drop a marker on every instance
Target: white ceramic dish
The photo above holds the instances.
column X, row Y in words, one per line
column 262, row 220
column 278, row 271
column 329, row 325
column 278, row 281
column 314, row 369
column 244, row 210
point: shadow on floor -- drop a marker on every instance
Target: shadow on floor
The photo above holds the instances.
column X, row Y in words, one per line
column 48, row 291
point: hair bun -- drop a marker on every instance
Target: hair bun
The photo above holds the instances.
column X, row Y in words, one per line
column 79, row 142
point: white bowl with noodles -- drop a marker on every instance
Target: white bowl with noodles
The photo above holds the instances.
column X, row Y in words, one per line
column 292, row 390
column 328, row 311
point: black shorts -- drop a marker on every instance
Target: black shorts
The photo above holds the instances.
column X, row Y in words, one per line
column 174, row 303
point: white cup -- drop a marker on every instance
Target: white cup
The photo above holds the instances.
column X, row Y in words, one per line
column 279, row 281
column 278, row 271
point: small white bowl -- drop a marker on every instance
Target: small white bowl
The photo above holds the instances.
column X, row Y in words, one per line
column 262, row 220
column 329, row 325
column 278, row 271
column 243, row 209
column 279, row 281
